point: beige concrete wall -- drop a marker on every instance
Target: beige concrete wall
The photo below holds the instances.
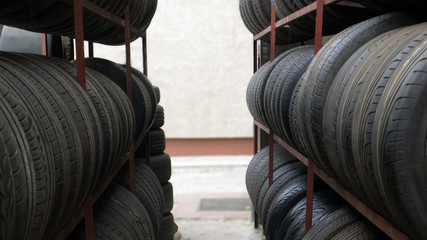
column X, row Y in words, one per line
column 200, row 55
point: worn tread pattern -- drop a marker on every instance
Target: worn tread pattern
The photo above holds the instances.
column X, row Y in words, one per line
column 148, row 191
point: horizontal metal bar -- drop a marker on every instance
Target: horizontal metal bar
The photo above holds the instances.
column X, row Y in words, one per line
column 96, row 10
column 294, row 16
column 368, row 213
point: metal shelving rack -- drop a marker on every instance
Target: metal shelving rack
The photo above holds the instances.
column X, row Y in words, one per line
column 312, row 169
column 80, row 6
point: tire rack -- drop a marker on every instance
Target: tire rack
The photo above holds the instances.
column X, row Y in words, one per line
column 312, row 169
column 86, row 212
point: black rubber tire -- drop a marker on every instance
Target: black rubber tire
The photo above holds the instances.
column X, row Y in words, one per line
column 7, row 196
column 322, row 71
column 293, row 225
column 82, row 112
column 289, row 195
column 168, row 227
column 151, row 92
column 159, row 118
column 378, row 66
column 397, row 48
column 279, row 87
column 257, row 87
column 19, row 195
column 69, row 129
column 257, row 171
column 297, row 138
column 120, row 212
column 158, row 94
column 281, row 178
column 330, row 116
column 148, row 191
column 361, row 229
column 55, row 141
column 398, row 144
column 124, row 109
column 161, row 166
column 157, row 144
column 103, row 106
column 140, row 98
column 41, row 159
column 333, row 223
column 169, row 200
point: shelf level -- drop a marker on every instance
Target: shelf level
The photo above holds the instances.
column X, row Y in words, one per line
column 302, row 12
column 98, row 11
column 369, row 214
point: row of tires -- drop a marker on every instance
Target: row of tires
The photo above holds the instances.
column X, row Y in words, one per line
column 356, row 109
column 256, row 15
column 118, row 214
column 57, row 17
column 281, row 207
column 160, row 163
column 58, row 143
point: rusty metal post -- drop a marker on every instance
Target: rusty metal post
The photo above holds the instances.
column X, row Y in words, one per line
column 273, row 34
column 79, row 35
column 144, row 56
column 319, row 26
column 309, row 202
column 270, row 157
column 44, row 44
column 88, row 210
column 129, row 94
column 147, row 143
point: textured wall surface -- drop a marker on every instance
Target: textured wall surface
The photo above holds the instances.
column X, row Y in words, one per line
column 200, row 55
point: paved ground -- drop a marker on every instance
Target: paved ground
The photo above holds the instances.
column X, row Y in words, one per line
column 211, row 201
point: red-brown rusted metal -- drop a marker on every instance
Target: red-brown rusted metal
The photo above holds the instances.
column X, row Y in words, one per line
column 371, row 215
column 79, row 36
column 309, row 197
column 129, row 94
column 88, row 209
column 270, row 157
column 144, row 56
column 319, row 26
column 44, row 44
column 273, row 34
column 255, row 56
column 147, row 143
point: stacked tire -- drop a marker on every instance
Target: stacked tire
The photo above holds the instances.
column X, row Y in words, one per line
column 281, row 207
column 256, row 15
column 59, row 143
column 118, row 214
column 143, row 93
column 57, row 18
column 357, row 112
column 160, row 163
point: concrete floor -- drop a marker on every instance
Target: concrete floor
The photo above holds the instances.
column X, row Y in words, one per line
column 211, row 178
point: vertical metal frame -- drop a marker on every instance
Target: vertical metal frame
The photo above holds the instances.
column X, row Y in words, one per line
column 44, row 45
column 79, row 36
column 129, row 94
